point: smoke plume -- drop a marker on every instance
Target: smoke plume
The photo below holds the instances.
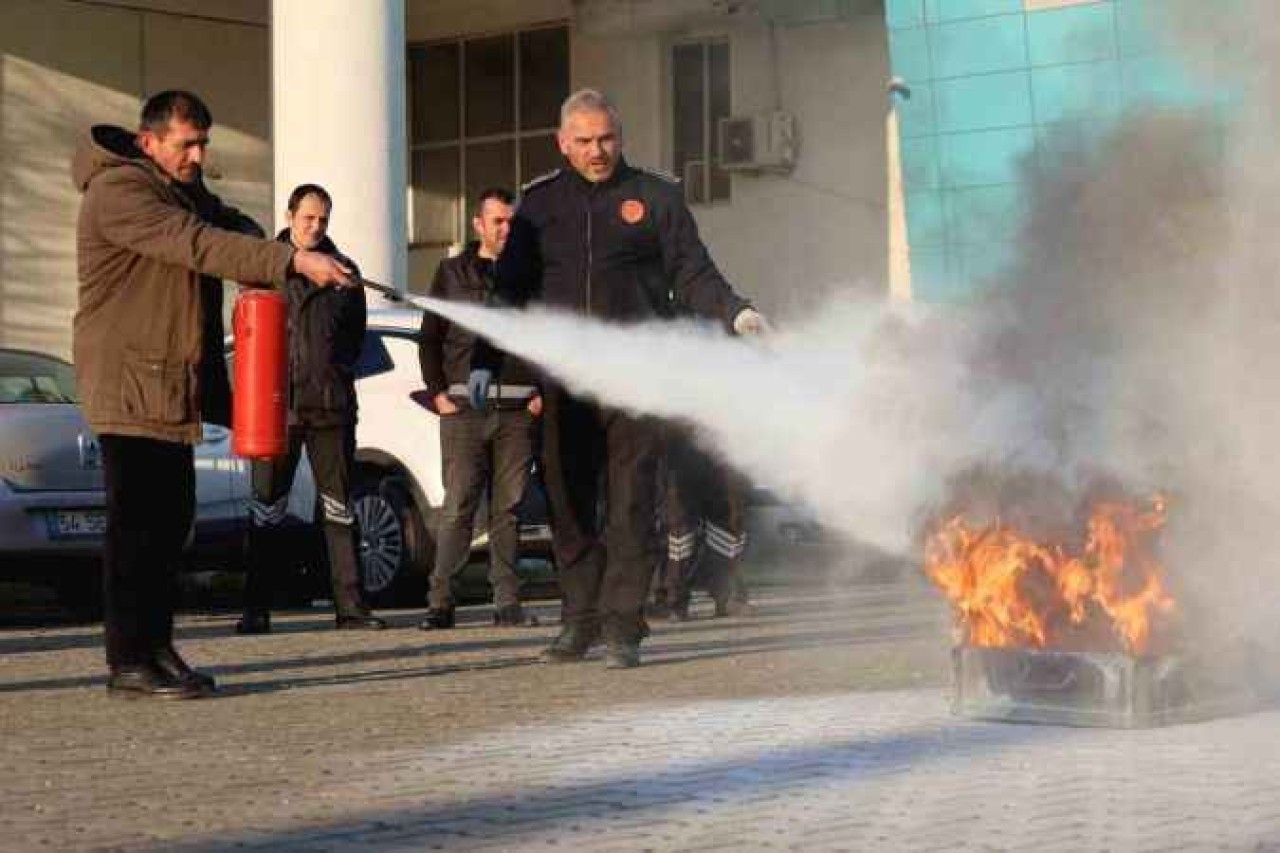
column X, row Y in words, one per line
column 856, row 412
column 1132, row 347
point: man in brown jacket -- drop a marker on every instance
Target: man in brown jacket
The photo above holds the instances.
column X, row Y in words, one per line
column 143, row 241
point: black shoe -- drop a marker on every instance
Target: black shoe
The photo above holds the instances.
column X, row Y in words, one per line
column 735, row 609
column 358, row 620
column 679, row 612
column 438, row 619
column 571, row 645
column 254, row 622
column 621, row 654
column 169, row 662
column 513, row 616
column 149, row 681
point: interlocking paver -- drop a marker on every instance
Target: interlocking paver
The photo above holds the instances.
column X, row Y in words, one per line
column 822, row 725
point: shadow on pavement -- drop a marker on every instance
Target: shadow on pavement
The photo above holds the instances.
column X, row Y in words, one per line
column 219, row 625
column 666, row 650
column 658, row 656
column 641, row 797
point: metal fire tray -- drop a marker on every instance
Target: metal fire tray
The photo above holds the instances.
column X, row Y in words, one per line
column 1093, row 689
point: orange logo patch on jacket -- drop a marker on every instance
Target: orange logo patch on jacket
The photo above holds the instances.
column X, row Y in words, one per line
column 632, row 211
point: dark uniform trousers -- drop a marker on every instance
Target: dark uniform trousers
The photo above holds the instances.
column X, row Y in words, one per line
column 331, row 451
column 604, row 573
column 493, row 448
column 150, row 495
column 705, row 516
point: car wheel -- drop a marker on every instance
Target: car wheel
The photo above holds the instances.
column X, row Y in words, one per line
column 393, row 542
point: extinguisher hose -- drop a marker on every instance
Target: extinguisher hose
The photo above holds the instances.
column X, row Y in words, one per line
column 388, row 291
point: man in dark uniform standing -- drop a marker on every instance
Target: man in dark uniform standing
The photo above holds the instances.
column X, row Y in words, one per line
column 491, row 448
column 326, row 333
column 615, row 242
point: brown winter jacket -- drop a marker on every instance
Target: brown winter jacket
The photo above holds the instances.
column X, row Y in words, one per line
column 141, row 249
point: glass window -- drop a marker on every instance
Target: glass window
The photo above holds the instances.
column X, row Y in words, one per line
column 27, row 377
column 544, row 76
column 490, row 86
column 539, row 155
column 687, row 100
column 484, row 113
column 718, row 108
column 434, row 96
column 435, row 176
column 700, row 97
column 489, row 164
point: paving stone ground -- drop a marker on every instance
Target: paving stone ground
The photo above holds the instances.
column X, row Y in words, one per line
column 822, row 724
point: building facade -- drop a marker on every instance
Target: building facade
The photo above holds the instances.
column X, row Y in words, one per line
column 997, row 94
column 481, row 83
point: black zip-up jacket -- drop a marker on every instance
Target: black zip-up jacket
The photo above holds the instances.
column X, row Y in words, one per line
column 445, row 349
column 625, row 249
column 215, row 386
column 326, row 334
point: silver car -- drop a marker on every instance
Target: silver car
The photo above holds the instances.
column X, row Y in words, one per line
column 52, row 503
column 52, row 506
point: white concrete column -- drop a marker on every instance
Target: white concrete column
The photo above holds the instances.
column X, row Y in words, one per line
column 899, row 246
column 338, row 120
column 896, row 209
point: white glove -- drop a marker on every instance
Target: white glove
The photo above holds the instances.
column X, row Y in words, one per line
column 750, row 323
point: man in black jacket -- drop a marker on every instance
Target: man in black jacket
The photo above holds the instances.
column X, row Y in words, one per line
column 326, row 333
column 611, row 241
column 214, row 383
column 487, row 445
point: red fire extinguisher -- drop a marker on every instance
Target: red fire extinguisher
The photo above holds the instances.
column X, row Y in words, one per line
column 259, row 417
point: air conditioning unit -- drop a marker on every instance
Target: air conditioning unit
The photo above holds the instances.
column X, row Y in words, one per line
column 764, row 142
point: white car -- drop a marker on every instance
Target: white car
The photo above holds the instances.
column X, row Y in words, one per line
column 52, row 506
column 397, row 488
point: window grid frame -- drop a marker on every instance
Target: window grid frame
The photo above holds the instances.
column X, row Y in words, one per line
column 710, row 129
column 517, row 136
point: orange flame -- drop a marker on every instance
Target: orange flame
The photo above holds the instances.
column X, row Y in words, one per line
column 1009, row 591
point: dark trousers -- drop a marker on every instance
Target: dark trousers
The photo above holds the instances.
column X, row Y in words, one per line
column 493, row 448
column 605, row 560
column 150, row 492
column 331, row 452
column 705, row 519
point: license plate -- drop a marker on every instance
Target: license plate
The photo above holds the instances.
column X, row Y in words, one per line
column 74, row 523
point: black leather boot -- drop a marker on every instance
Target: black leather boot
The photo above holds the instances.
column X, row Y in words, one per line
column 438, row 619
column 621, row 654
column 571, row 645
column 679, row 611
column 254, row 622
column 168, row 661
column 138, row 681
column 513, row 616
column 358, row 619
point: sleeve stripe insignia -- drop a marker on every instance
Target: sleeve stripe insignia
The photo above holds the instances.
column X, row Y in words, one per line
column 540, row 180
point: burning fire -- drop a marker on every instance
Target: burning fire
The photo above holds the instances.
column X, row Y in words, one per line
column 1011, row 591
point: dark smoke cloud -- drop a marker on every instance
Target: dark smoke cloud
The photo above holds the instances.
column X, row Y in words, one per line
column 1143, row 320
